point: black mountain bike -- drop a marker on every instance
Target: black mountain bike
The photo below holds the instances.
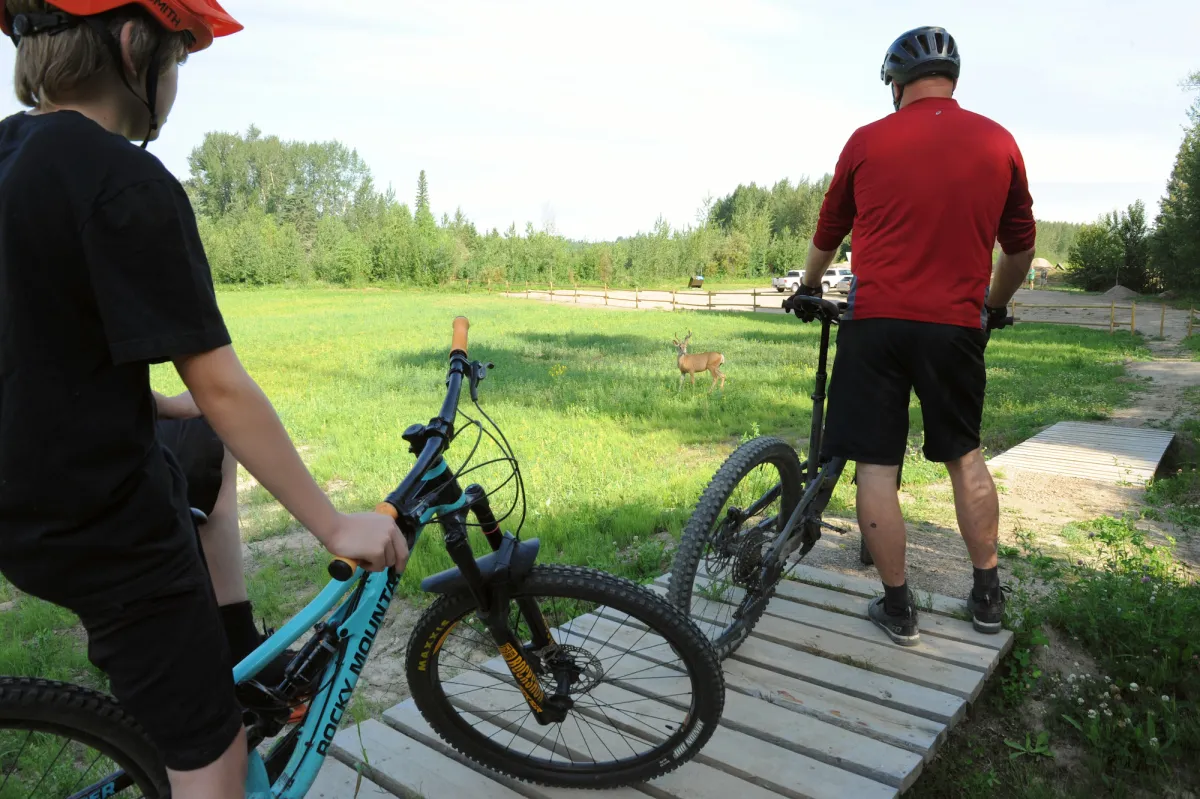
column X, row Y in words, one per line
column 511, row 663
column 761, row 510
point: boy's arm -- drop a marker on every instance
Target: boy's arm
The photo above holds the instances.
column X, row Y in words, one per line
column 181, row 406
column 246, row 422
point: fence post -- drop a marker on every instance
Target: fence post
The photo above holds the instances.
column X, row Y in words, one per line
column 672, row 299
column 1133, row 317
column 710, row 300
column 576, row 293
column 606, row 295
column 753, row 300
column 1162, row 323
column 1112, row 317
column 635, row 297
column 1191, row 314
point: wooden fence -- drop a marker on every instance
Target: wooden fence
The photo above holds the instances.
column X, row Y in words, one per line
column 1119, row 316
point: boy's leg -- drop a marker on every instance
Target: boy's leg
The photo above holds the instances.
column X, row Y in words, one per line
column 222, row 540
column 211, row 473
column 168, row 664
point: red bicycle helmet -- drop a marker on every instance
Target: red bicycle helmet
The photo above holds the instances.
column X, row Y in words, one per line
column 204, row 19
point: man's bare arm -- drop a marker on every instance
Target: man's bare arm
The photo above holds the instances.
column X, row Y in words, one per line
column 815, row 265
column 1008, row 276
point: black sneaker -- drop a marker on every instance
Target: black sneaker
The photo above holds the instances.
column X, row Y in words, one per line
column 987, row 611
column 901, row 629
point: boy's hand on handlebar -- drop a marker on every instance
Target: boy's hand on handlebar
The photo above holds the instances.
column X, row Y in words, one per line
column 371, row 539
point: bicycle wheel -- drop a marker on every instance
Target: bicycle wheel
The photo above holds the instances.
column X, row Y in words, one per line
column 57, row 740
column 717, row 572
column 646, row 689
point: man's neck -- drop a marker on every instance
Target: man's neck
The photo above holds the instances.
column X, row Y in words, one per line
column 926, row 89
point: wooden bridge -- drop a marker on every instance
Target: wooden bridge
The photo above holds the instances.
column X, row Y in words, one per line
column 819, row 704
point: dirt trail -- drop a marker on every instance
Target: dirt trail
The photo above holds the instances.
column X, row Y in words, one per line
column 1033, row 503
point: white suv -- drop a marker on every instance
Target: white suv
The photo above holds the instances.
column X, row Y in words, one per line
column 833, row 276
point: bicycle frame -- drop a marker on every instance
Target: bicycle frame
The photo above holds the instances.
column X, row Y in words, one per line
column 429, row 492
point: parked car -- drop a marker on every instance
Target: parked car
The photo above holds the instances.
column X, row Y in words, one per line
column 789, row 282
column 834, row 276
column 843, row 285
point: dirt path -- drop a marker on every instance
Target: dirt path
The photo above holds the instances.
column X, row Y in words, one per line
column 1034, row 506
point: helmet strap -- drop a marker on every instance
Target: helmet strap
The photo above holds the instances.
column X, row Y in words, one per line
column 114, row 48
column 898, row 97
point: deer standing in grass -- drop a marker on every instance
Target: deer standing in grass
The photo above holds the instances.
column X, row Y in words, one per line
column 698, row 362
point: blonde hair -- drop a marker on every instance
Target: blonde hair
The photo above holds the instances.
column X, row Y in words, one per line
column 52, row 65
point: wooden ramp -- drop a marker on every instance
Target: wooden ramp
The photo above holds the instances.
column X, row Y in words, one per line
column 819, row 703
column 1107, row 453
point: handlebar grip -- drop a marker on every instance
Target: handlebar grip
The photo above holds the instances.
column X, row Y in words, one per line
column 459, row 342
column 343, row 568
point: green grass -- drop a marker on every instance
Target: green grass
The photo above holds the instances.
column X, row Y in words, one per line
column 1192, row 344
column 613, row 454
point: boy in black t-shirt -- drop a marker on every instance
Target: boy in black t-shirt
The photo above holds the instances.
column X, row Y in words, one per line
column 102, row 273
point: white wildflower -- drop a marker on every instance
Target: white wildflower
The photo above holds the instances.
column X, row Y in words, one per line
column 1166, row 698
column 1108, row 714
column 1133, row 687
column 1121, row 723
column 1092, row 713
column 1154, row 742
column 1080, row 700
column 1103, row 705
column 1070, row 678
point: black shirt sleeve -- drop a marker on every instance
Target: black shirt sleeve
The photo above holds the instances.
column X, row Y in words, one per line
column 149, row 275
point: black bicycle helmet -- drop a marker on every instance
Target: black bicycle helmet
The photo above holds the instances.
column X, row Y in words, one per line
column 920, row 53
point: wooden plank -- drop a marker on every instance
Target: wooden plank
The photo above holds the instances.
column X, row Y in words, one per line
column 407, row 719
column 806, row 735
column 835, row 675
column 339, row 781
column 629, row 714
column 931, row 603
column 406, row 767
column 840, row 602
column 886, row 658
column 910, row 732
column 930, row 623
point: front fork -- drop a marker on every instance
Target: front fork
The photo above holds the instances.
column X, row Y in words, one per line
column 492, row 601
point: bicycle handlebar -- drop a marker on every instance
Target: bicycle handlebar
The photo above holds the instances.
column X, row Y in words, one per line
column 441, row 428
column 832, row 311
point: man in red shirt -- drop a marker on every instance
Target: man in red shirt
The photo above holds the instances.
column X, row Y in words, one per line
column 927, row 191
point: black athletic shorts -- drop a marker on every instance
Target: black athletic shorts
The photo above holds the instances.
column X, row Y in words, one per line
column 165, row 653
column 200, row 454
column 879, row 362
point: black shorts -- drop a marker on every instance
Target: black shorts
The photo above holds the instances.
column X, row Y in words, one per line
column 879, row 362
column 200, row 454
column 168, row 663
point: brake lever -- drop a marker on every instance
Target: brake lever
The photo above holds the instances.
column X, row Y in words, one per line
column 476, row 374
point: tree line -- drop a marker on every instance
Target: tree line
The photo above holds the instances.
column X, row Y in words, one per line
column 1121, row 247
column 272, row 211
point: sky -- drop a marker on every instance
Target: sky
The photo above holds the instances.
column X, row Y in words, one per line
column 597, row 118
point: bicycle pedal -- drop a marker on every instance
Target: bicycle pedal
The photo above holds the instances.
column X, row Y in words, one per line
column 298, row 714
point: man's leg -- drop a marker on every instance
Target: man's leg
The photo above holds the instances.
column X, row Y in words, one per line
column 951, row 381
column 868, row 423
column 977, row 507
column 879, row 518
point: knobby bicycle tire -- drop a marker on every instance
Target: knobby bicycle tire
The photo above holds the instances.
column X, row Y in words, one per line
column 651, row 613
column 699, row 529
column 88, row 717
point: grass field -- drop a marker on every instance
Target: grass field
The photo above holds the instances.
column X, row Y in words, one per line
column 613, row 455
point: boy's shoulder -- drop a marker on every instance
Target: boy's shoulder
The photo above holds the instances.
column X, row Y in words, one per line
column 84, row 157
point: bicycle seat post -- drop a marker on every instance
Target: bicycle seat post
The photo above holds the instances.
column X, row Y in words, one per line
column 818, row 398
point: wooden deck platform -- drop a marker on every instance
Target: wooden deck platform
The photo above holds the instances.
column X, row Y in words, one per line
column 1103, row 452
column 819, row 704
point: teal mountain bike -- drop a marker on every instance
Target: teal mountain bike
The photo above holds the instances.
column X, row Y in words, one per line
column 559, row 689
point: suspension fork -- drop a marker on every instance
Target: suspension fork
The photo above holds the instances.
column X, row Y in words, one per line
column 492, row 602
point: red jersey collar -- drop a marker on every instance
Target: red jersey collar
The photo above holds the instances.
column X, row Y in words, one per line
column 935, row 102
